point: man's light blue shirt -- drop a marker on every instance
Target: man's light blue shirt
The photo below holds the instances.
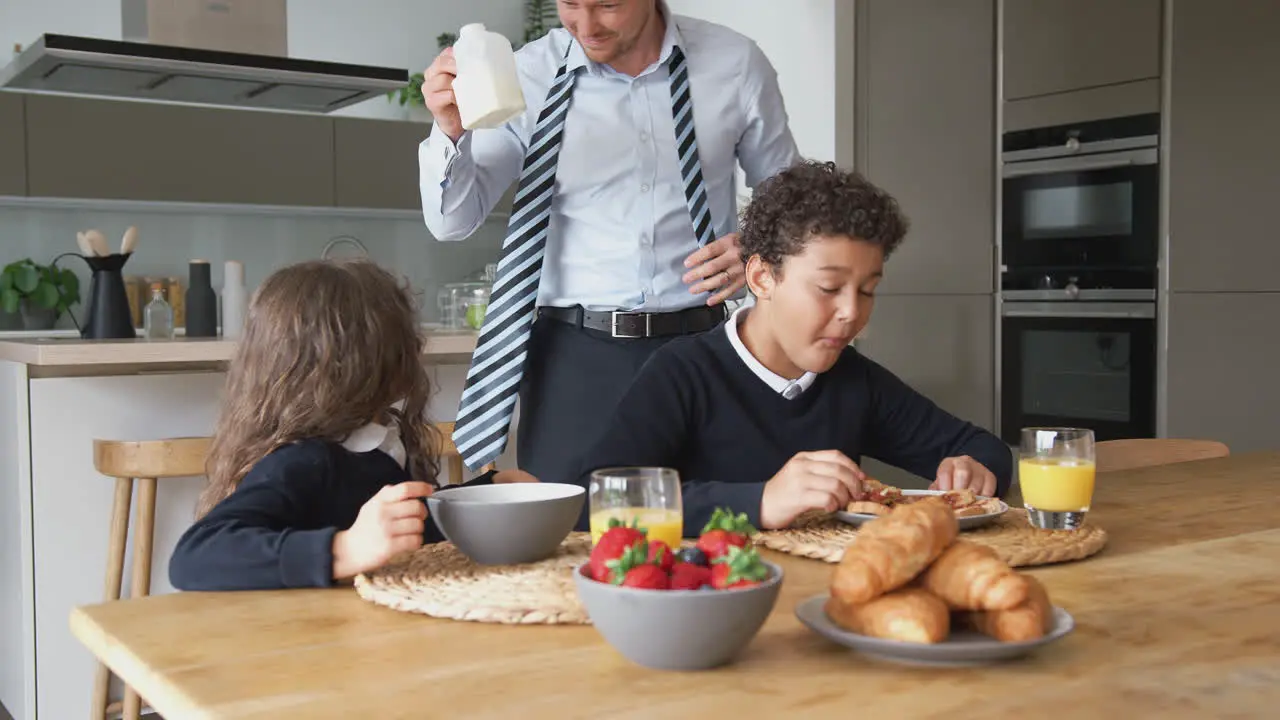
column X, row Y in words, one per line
column 620, row 226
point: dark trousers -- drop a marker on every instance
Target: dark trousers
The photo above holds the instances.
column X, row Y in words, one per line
column 573, row 379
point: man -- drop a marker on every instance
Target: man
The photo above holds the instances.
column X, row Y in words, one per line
column 622, row 232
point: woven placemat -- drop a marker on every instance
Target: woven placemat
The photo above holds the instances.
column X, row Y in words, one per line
column 1010, row 535
column 438, row 580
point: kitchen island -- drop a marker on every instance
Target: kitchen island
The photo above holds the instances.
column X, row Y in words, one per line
column 56, row 396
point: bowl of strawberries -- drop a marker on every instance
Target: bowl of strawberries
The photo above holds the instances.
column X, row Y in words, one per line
column 689, row 608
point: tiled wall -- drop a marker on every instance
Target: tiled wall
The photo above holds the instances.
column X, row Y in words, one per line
column 168, row 240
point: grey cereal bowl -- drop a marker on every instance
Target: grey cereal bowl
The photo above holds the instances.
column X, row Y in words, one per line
column 678, row 629
column 507, row 524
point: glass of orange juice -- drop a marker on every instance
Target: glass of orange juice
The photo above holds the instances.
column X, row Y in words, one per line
column 649, row 497
column 1056, row 467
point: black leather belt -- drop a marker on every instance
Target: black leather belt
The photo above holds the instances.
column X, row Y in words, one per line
column 627, row 324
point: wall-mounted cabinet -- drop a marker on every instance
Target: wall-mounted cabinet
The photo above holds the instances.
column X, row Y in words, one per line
column 13, row 146
column 109, row 149
column 1055, row 46
column 1224, row 159
column 926, row 133
column 376, row 163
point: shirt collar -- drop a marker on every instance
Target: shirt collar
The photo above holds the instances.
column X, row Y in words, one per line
column 377, row 437
column 790, row 389
column 577, row 57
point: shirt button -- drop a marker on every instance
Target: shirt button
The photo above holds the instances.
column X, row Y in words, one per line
column 644, row 188
column 644, row 136
column 644, row 239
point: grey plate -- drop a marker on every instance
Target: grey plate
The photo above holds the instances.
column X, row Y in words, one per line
column 966, row 523
column 962, row 649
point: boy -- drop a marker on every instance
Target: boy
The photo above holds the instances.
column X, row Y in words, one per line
column 770, row 414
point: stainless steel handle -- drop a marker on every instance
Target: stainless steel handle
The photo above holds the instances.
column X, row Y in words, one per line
column 1080, row 164
column 1099, row 310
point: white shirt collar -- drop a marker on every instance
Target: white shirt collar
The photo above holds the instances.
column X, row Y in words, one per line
column 374, row 436
column 789, row 389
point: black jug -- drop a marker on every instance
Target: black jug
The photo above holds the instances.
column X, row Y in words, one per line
column 108, row 315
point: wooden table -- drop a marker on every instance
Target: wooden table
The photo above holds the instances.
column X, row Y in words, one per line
column 1178, row 617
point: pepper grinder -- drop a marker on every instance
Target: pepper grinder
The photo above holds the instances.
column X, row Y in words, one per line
column 202, row 302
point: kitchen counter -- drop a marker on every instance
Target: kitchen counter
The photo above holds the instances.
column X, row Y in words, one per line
column 179, row 353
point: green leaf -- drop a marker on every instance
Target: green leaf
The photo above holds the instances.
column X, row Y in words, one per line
column 26, row 279
column 45, row 295
column 9, row 299
column 70, row 285
column 6, row 280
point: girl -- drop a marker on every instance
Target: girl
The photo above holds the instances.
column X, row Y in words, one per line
column 322, row 453
column 770, row 414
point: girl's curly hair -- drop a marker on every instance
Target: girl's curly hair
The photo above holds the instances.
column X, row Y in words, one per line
column 813, row 198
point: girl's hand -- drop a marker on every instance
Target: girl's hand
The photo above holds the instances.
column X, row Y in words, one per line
column 390, row 523
column 513, row 476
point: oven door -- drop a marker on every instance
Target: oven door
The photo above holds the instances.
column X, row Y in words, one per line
column 1079, row 364
column 1095, row 211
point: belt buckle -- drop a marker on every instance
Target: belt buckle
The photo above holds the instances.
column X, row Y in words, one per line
column 613, row 324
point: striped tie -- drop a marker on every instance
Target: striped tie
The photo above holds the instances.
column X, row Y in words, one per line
column 493, row 381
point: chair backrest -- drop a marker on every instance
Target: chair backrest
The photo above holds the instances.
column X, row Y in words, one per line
column 175, row 457
column 452, row 458
column 1145, row 452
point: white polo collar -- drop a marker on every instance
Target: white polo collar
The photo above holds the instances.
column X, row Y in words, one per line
column 375, row 436
column 789, row 389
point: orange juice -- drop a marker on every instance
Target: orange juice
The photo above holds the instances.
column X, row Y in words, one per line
column 1056, row 485
column 664, row 525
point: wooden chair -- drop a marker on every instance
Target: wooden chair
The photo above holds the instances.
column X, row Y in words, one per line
column 1145, row 452
column 452, row 457
column 145, row 461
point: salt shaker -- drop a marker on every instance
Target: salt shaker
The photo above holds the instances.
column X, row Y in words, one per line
column 233, row 299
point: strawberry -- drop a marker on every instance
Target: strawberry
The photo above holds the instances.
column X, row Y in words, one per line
column 661, row 553
column 723, row 531
column 647, row 577
column 612, row 544
column 738, row 568
column 687, row 576
column 634, row 568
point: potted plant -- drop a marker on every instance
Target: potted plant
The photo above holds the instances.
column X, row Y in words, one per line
column 39, row 293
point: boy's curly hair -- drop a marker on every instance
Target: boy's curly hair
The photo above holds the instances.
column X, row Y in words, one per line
column 813, row 198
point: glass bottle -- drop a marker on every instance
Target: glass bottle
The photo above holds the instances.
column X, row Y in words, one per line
column 157, row 317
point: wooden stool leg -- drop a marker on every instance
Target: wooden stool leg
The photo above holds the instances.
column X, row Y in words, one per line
column 455, row 469
column 141, row 586
column 111, row 586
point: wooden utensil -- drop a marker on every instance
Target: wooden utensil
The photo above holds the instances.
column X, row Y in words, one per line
column 83, row 242
column 129, row 241
column 98, row 242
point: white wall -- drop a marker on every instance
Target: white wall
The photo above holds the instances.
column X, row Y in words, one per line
column 815, row 74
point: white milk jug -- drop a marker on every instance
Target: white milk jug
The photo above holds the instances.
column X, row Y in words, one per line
column 487, row 88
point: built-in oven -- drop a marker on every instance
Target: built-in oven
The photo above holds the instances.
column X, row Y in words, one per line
column 1079, row 355
column 1085, row 195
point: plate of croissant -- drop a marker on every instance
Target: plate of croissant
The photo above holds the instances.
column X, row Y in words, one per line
column 971, row 510
column 908, row 589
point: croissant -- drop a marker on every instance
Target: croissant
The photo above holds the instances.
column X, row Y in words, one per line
column 1029, row 620
column 908, row 614
column 890, row 551
column 969, row 576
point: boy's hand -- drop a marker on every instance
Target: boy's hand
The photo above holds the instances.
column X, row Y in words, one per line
column 826, row 480
column 957, row 473
column 390, row 523
column 513, row 476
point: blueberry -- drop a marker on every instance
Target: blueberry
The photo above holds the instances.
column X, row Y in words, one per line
column 691, row 555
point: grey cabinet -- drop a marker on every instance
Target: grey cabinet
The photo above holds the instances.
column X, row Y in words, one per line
column 943, row 346
column 1225, row 162
column 925, row 124
column 1222, row 372
column 1054, row 46
column 13, row 145
column 108, row 149
column 376, row 163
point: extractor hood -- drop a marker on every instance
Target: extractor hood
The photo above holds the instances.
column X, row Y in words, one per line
column 147, row 71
